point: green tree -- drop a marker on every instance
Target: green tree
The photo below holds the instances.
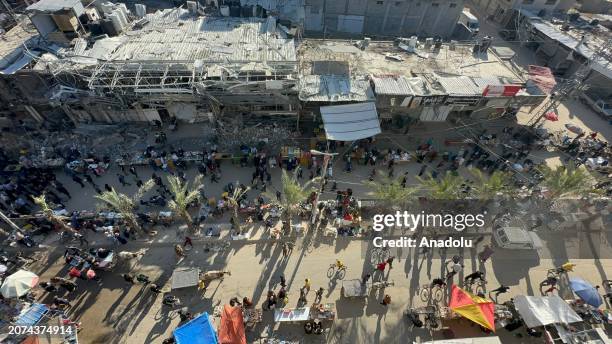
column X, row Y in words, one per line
column 57, row 220
column 390, row 191
column 567, row 181
column 448, row 187
column 488, row 187
column 293, row 193
column 234, row 201
column 126, row 205
column 183, row 195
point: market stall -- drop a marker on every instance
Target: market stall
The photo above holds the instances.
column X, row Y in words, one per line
column 231, row 329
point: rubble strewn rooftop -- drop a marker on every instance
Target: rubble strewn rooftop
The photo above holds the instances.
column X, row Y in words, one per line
column 175, row 35
column 374, row 60
column 15, row 42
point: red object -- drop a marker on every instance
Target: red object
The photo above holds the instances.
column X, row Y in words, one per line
column 381, row 266
column 91, row 274
column 231, row 328
column 475, row 308
column 501, row 90
column 543, row 78
column 74, row 272
column 551, row 116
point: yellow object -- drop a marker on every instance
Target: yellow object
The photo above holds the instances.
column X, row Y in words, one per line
column 339, row 264
column 568, row 266
column 201, row 284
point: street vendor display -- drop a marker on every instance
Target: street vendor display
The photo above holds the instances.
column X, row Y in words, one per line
column 292, row 314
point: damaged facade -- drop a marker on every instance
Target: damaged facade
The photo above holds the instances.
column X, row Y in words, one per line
column 179, row 64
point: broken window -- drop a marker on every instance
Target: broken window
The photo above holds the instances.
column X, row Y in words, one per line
column 379, row 2
column 551, row 2
column 452, row 5
column 435, row 4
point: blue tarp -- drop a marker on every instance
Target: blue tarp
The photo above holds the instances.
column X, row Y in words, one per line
column 33, row 315
column 198, row 331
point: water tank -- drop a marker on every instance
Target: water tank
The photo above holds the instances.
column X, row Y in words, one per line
column 234, row 11
column 428, row 42
column 225, row 10
column 141, row 10
column 124, row 9
column 117, row 23
column 122, row 17
column 108, row 27
column 413, row 42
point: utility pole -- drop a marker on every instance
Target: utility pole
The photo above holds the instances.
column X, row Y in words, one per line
column 569, row 87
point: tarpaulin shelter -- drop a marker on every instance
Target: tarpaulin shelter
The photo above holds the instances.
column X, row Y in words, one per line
column 33, row 315
column 351, row 121
column 231, row 330
column 475, row 308
column 544, row 310
column 197, row 331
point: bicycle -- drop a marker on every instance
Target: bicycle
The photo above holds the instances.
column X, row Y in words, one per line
column 426, row 292
column 337, row 270
column 379, row 254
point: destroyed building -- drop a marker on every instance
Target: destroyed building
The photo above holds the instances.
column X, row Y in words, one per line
column 112, row 66
column 171, row 63
column 425, row 81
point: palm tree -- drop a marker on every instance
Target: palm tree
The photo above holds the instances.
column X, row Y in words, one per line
column 234, row 202
column 567, row 181
column 390, row 191
column 486, row 188
column 57, row 221
column 126, row 205
column 183, row 195
column 449, row 187
column 293, row 193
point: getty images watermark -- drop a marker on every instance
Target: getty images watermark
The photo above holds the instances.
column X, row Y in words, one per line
column 414, row 221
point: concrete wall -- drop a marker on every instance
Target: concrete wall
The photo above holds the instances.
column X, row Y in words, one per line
column 596, row 6
column 383, row 18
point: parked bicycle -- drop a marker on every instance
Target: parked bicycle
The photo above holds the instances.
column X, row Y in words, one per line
column 433, row 291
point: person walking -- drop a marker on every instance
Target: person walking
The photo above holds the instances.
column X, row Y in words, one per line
column 422, row 170
column 278, row 195
column 386, row 300
column 78, row 180
column 121, row 178
column 180, row 253
column 307, row 285
column 108, row 188
column 188, row 242
column 283, row 281
column 60, row 188
column 133, row 171
column 390, row 262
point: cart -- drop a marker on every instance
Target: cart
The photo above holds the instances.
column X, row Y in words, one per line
column 185, row 278
column 355, row 288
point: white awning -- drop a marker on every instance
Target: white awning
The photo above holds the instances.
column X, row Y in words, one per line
column 544, row 310
column 350, row 122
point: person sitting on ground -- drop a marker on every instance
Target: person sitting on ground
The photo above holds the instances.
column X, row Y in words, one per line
column 246, row 302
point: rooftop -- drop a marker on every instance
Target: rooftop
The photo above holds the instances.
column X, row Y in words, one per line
column 14, row 43
column 571, row 33
column 334, row 88
column 375, row 60
column 175, row 35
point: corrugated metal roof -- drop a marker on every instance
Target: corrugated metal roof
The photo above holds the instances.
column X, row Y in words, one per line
column 333, row 88
column 174, row 35
column 459, row 86
column 392, row 86
column 53, row 5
